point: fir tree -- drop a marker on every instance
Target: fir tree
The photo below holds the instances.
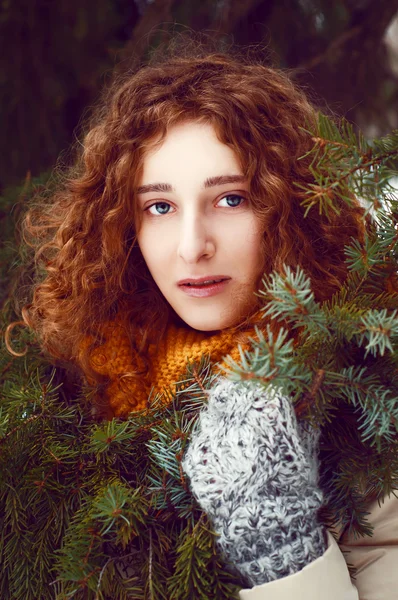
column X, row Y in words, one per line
column 102, row 510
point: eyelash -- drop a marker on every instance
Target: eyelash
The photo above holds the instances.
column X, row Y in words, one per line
column 167, row 203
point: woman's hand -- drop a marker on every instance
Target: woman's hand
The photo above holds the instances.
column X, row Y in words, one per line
column 253, row 470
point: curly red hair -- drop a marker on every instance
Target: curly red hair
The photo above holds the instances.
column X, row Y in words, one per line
column 88, row 263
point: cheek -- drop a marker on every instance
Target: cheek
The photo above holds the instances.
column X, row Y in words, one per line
column 255, row 249
column 154, row 252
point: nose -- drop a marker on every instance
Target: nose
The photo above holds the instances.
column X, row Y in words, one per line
column 196, row 239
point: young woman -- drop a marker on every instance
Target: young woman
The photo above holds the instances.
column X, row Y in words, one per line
column 183, row 196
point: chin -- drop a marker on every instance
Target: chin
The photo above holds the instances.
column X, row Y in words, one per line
column 210, row 324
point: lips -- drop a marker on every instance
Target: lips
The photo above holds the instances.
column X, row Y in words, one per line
column 204, row 287
column 202, row 281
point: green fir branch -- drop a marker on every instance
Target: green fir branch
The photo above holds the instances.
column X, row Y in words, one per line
column 343, row 163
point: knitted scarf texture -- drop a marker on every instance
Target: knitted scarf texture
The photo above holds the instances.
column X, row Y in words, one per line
column 130, row 386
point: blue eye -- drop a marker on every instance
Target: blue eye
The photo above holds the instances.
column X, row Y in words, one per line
column 233, row 200
column 162, row 207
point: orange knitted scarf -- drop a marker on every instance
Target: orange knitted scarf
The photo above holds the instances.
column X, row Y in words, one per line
column 129, row 386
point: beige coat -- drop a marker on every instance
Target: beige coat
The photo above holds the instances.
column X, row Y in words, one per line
column 327, row 578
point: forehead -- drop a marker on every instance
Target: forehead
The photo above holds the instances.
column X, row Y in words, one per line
column 190, row 147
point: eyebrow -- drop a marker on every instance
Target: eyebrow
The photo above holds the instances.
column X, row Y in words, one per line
column 208, row 183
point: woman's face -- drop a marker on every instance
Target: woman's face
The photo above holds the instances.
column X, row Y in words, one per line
column 198, row 224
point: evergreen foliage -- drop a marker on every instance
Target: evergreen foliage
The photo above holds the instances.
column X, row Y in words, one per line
column 93, row 510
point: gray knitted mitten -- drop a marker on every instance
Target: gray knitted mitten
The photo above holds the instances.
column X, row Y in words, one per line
column 253, row 470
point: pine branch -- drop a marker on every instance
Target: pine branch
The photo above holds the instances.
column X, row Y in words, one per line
column 343, row 161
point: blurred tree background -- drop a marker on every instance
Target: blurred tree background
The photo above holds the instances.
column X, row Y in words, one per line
column 56, row 55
